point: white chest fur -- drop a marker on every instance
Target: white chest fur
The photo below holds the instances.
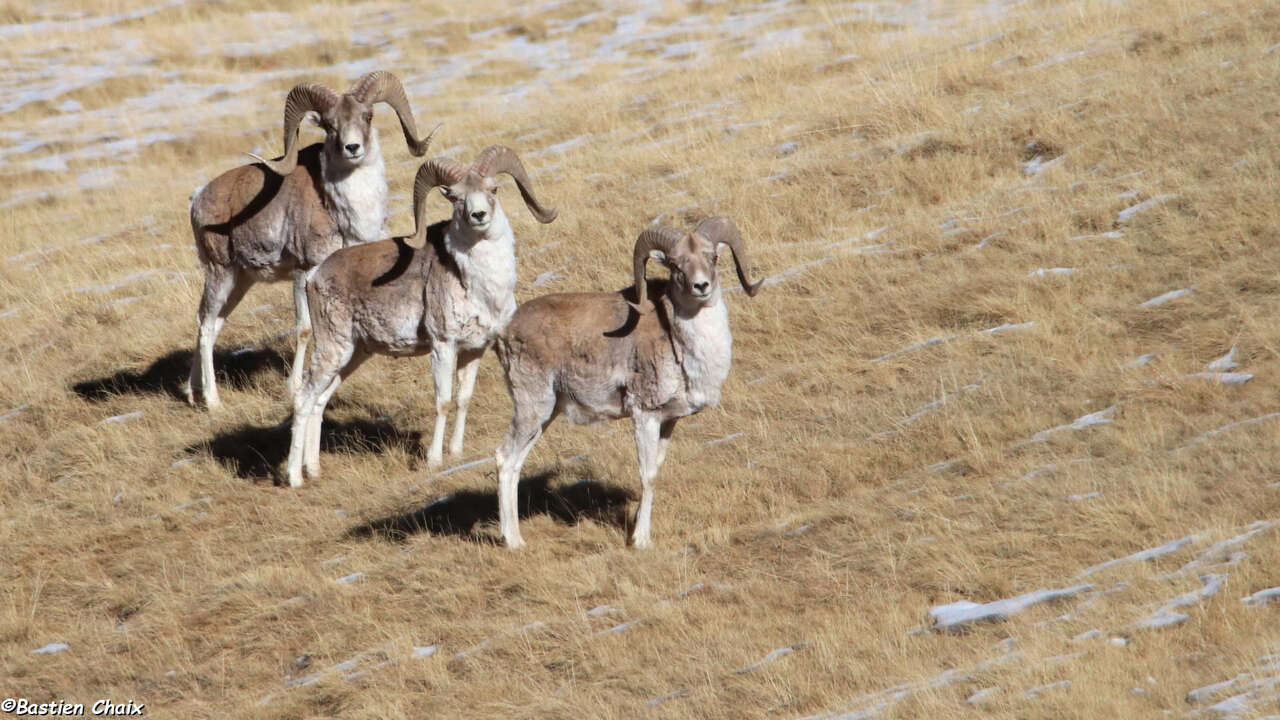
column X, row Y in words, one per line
column 488, row 268
column 706, row 350
column 358, row 197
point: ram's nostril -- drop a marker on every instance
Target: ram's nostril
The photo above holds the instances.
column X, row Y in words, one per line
column 702, row 286
column 478, row 215
column 353, row 148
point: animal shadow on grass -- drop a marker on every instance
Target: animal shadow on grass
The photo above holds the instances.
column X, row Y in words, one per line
column 255, row 452
column 167, row 374
column 458, row 513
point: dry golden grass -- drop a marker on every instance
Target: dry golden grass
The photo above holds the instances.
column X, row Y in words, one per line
column 161, row 550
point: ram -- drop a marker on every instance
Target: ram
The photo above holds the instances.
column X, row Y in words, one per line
column 601, row 356
column 448, row 294
column 279, row 218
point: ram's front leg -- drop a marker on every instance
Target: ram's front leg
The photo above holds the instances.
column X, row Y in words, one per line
column 468, row 366
column 302, row 326
column 444, row 359
column 649, row 446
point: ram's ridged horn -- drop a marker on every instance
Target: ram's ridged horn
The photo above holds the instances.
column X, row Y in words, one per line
column 722, row 230
column 501, row 159
column 662, row 238
column 382, row 86
column 433, row 173
column 302, row 98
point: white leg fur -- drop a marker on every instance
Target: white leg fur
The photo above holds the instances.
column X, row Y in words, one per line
column 209, row 327
column 311, row 462
column 315, row 416
column 511, row 456
column 222, row 292
column 443, row 360
column 647, row 429
column 303, row 402
column 302, row 330
column 192, row 388
column 470, row 365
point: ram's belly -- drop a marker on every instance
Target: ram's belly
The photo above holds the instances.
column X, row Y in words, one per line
column 392, row 330
column 585, row 401
column 589, row 413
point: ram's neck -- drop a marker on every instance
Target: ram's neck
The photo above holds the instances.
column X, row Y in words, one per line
column 704, row 349
column 357, row 196
column 486, row 262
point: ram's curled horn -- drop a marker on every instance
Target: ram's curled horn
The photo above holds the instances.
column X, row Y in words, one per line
column 662, row 238
column 302, row 98
column 433, row 173
column 382, row 86
column 722, row 230
column 501, row 159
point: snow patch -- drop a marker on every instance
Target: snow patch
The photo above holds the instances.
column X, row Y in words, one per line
column 915, row 346
column 620, row 627
column 1166, row 297
column 1262, row 597
column 1007, row 327
column 51, row 648
column 1225, row 363
column 14, row 413
column 727, row 438
column 1039, row 690
column 1128, row 213
column 1166, row 617
column 1229, row 426
column 978, row 697
column 1100, row 417
column 1220, row 551
column 126, row 417
column 1046, row 272
column 771, row 657
column 465, row 466
column 1109, row 235
column 548, row 277
column 1170, row 547
column 1224, row 378
column 957, row 615
column 669, row 696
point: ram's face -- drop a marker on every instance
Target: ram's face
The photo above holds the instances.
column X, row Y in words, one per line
column 348, row 131
column 692, row 263
column 475, row 201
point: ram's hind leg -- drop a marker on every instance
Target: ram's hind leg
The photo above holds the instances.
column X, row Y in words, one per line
column 533, row 412
column 304, row 401
column 224, row 287
column 312, row 459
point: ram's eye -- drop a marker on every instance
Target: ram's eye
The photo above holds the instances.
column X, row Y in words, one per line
column 368, row 117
